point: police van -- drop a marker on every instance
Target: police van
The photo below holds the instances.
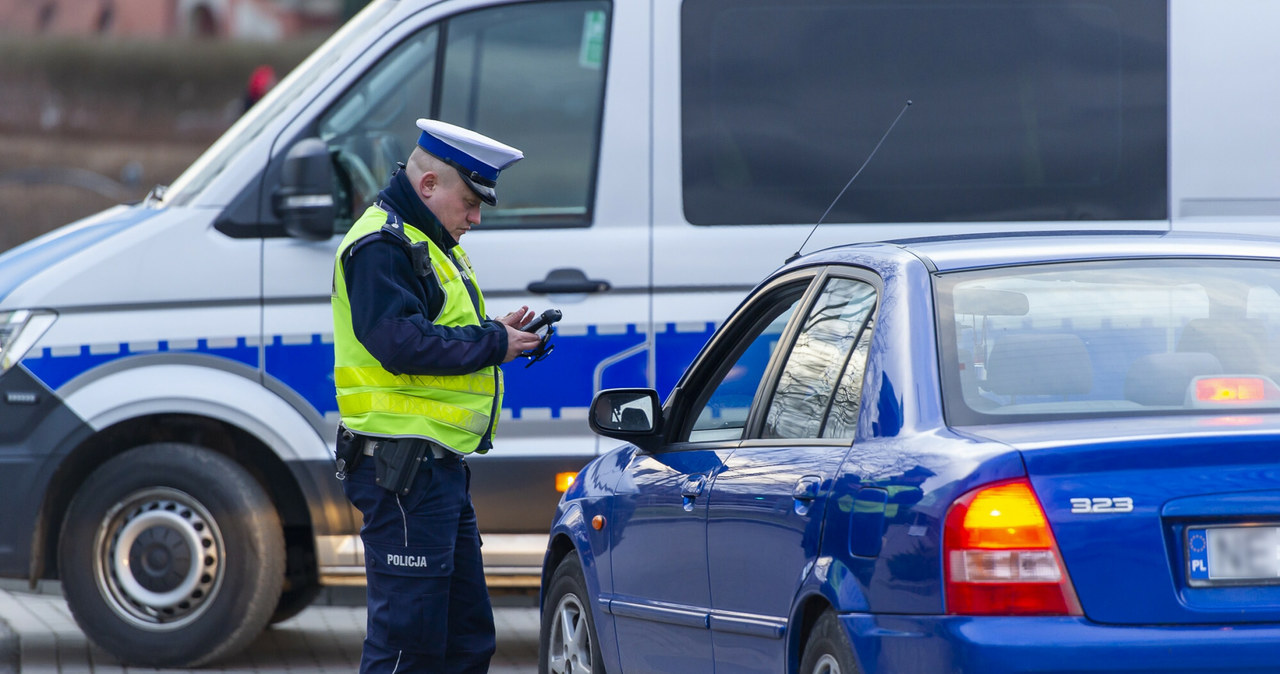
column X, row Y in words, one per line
column 168, row 413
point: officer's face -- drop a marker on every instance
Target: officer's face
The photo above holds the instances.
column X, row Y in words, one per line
column 457, row 207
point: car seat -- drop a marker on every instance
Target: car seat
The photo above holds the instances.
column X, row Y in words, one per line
column 1163, row 378
column 1055, row 364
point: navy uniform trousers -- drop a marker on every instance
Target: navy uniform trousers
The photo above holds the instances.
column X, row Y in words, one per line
column 429, row 608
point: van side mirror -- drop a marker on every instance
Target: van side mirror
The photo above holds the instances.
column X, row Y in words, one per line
column 630, row 414
column 304, row 200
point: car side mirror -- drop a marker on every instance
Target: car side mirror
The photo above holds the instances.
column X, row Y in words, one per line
column 304, row 201
column 630, row 414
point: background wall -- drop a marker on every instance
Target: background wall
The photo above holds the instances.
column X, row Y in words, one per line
column 89, row 123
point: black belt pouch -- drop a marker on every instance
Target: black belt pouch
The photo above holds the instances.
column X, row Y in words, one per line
column 347, row 453
column 397, row 463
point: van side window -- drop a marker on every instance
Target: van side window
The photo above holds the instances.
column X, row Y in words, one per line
column 372, row 126
column 1022, row 111
column 530, row 75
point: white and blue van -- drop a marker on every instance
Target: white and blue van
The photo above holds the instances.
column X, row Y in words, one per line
column 167, row 412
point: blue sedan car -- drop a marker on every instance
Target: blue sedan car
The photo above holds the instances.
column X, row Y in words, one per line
column 1041, row 453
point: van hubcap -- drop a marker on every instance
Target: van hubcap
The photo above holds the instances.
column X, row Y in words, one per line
column 159, row 558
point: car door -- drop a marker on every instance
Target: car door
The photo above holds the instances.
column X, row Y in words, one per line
column 662, row 596
column 765, row 509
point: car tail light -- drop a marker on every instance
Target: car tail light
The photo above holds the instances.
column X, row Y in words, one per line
column 1000, row 557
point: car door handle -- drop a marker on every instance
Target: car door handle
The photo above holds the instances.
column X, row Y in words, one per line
column 806, row 488
column 691, row 490
column 567, row 281
column 805, row 493
column 694, row 486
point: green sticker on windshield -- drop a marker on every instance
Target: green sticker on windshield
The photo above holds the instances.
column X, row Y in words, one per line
column 591, row 54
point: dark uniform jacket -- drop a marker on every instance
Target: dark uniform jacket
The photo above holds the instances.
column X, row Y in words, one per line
column 392, row 308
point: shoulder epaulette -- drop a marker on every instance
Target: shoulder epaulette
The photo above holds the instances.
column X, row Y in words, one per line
column 419, row 253
column 395, row 226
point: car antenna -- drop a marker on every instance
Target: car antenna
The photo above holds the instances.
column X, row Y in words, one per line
column 846, row 185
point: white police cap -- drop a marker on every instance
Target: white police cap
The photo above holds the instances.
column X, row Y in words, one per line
column 478, row 159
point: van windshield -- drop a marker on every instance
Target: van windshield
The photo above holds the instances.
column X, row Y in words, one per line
column 1119, row 338
column 252, row 123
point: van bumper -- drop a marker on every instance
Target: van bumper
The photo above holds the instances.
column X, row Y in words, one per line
column 36, row 432
column 996, row 645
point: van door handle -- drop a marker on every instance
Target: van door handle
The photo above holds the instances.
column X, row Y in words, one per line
column 567, row 281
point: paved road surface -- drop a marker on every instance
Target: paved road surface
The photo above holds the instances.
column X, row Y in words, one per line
column 320, row 639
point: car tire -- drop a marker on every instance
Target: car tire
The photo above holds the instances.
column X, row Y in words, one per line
column 567, row 641
column 827, row 651
column 171, row 556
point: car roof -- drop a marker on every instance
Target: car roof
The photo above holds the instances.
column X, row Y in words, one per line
column 960, row 252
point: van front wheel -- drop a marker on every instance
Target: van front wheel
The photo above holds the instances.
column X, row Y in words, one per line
column 171, row 556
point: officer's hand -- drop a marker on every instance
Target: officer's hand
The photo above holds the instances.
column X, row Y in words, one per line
column 518, row 318
column 518, row 341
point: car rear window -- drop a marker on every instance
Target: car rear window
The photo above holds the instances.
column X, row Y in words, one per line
column 1134, row 337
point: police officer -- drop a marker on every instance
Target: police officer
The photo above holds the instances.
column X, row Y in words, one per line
column 416, row 370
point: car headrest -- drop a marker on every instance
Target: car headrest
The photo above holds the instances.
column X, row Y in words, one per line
column 1044, row 364
column 1163, row 378
column 1239, row 344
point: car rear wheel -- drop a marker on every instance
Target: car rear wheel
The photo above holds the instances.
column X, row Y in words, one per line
column 171, row 555
column 828, row 651
column 568, row 643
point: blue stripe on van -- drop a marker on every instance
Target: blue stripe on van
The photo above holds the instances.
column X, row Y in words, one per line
column 20, row 264
column 56, row 370
column 563, row 380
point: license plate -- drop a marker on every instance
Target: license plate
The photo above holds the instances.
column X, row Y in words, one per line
column 1226, row 555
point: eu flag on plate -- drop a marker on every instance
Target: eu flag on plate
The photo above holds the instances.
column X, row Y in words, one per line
column 1197, row 554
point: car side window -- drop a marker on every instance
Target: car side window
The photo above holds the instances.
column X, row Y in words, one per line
column 842, row 421
column 819, row 390
column 530, row 75
column 721, row 411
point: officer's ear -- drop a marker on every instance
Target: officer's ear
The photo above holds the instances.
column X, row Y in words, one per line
column 428, row 184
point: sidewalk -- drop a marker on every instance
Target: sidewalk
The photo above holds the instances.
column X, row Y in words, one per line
column 42, row 638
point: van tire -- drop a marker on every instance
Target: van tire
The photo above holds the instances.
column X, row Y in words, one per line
column 294, row 601
column 567, row 608
column 165, row 501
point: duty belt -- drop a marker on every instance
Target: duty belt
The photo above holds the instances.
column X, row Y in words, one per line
column 371, row 445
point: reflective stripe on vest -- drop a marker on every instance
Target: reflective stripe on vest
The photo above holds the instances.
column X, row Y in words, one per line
column 357, row 404
column 454, row 411
column 354, row 377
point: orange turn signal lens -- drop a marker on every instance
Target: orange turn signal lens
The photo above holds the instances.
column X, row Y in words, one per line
column 1003, row 517
column 564, row 481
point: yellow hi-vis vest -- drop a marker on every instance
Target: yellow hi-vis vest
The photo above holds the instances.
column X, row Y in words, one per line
column 453, row 411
